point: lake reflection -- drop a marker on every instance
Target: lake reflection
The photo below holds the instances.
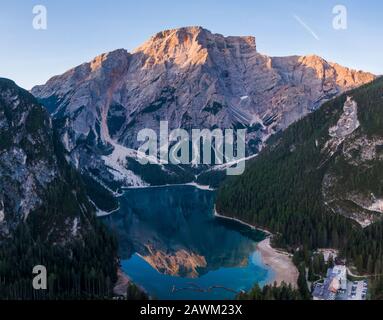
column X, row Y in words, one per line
column 172, row 245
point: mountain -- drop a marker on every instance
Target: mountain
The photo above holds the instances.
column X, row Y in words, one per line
column 45, row 215
column 191, row 78
column 319, row 183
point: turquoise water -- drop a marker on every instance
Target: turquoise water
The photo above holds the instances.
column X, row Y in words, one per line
column 172, row 245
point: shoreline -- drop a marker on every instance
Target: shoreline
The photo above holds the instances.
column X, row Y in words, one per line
column 191, row 184
column 217, row 215
column 100, row 213
column 280, row 262
column 121, row 286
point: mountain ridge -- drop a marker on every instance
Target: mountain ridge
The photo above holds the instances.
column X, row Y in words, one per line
column 193, row 79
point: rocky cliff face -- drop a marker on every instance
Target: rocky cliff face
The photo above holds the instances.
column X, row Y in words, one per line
column 359, row 154
column 191, row 78
column 33, row 179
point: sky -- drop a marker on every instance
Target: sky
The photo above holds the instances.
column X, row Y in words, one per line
column 77, row 31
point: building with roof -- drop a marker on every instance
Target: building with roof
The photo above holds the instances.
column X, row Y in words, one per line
column 334, row 286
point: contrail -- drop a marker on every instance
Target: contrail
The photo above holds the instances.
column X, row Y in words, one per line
column 304, row 25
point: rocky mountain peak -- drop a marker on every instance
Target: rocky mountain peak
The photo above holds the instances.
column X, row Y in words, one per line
column 185, row 34
column 191, row 78
column 111, row 59
column 180, row 46
column 180, row 33
column 191, row 45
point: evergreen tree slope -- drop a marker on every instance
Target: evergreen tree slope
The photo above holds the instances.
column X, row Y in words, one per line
column 45, row 215
column 316, row 186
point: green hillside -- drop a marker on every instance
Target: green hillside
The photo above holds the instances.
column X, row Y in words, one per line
column 313, row 194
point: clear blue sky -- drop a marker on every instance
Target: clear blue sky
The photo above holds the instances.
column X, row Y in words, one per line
column 78, row 30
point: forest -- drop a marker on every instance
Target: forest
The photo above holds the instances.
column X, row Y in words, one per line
column 83, row 267
column 281, row 189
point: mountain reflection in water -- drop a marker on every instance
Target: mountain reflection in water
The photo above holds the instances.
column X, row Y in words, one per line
column 173, row 231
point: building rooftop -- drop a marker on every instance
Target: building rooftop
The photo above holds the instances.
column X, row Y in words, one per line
column 335, row 282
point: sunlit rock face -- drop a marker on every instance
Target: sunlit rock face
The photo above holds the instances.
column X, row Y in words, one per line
column 193, row 79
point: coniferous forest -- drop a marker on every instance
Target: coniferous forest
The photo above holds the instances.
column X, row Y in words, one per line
column 81, row 270
column 83, row 267
column 281, row 189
